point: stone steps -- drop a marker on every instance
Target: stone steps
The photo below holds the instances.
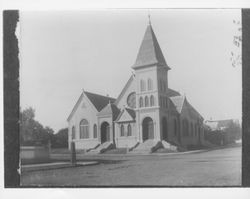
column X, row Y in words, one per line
column 148, row 146
column 102, row 148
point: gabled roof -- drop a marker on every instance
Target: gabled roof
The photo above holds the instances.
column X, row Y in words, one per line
column 178, row 102
column 125, row 88
column 110, row 109
column 150, row 52
column 194, row 110
column 99, row 101
column 172, row 93
column 130, row 112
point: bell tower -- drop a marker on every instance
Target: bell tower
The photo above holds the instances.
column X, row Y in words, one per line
column 151, row 74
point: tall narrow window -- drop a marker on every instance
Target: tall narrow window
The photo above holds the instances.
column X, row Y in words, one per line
column 150, row 84
column 146, row 101
column 95, row 131
column 160, row 85
column 187, row 134
column 73, row 133
column 192, row 130
column 195, row 130
column 185, row 127
column 84, row 129
column 122, row 130
column 164, row 86
column 152, row 103
column 142, row 85
column 161, row 101
column 141, row 102
column 129, row 130
column 175, row 127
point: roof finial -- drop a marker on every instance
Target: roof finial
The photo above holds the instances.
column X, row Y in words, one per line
column 149, row 20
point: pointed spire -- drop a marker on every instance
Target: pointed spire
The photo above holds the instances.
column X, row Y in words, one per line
column 150, row 52
column 149, row 20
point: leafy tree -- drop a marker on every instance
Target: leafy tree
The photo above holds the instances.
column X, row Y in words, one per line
column 31, row 131
column 235, row 56
column 61, row 139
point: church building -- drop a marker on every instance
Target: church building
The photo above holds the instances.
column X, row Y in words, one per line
column 146, row 115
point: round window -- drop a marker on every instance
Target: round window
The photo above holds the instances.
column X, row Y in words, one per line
column 131, row 100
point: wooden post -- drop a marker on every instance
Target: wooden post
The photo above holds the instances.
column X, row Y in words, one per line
column 73, row 154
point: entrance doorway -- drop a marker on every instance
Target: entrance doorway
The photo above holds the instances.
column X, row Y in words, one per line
column 105, row 132
column 147, row 129
column 164, row 129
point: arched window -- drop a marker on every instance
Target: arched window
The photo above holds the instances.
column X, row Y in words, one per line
column 122, row 130
column 192, row 130
column 166, row 102
column 160, row 85
column 187, row 133
column 146, row 101
column 84, row 129
column 175, row 127
column 185, row 127
column 142, row 85
column 195, row 130
column 152, row 103
column 150, row 84
column 129, row 130
column 164, row 86
column 161, row 101
column 73, row 133
column 141, row 102
column 95, row 131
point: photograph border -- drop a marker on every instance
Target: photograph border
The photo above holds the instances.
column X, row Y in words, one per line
column 12, row 107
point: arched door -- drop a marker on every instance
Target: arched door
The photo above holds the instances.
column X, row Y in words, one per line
column 105, row 132
column 164, row 128
column 147, row 129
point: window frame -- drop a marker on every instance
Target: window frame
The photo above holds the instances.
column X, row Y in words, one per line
column 95, row 131
column 73, row 133
column 150, row 84
column 141, row 102
column 142, row 85
column 175, row 127
column 84, row 129
column 152, row 100
column 129, row 130
column 122, row 131
column 146, row 101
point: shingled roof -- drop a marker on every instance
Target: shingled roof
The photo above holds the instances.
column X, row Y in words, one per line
column 99, row 101
column 150, row 52
column 172, row 93
column 178, row 102
column 110, row 109
column 131, row 112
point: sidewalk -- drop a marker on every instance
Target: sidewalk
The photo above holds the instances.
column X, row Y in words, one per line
column 55, row 165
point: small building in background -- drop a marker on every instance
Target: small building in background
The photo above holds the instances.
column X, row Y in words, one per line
column 222, row 132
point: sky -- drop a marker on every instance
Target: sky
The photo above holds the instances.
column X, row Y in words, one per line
column 63, row 52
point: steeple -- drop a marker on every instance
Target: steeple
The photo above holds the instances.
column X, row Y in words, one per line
column 150, row 52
